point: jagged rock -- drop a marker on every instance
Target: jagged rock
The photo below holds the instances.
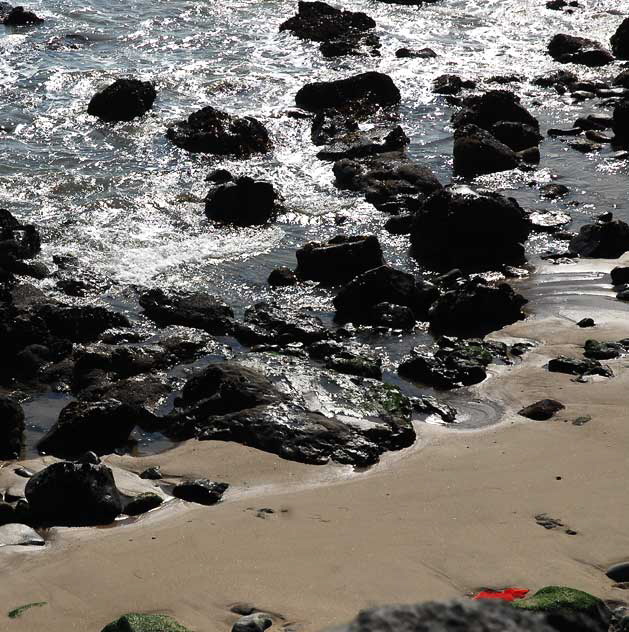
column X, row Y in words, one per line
column 458, row 227
column 475, row 306
column 243, row 202
column 211, row 131
column 74, row 495
column 620, row 40
column 607, row 240
column 11, row 428
column 572, row 366
column 142, row 503
column 542, row 410
column 282, row 277
column 476, row 152
column 123, row 100
column 152, row 473
column 201, row 491
column 101, row 427
column 194, row 309
column 383, row 285
column 568, row 49
column 339, row 259
column 359, row 94
column 432, row 406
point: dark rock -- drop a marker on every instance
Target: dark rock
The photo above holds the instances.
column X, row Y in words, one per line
column 620, row 275
column 197, row 310
column 476, row 152
column 553, row 191
column 74, row 494
column 560, row 79
column 517, row 136
column 584, row 146
column 353, row 364
column 568, row 49
column 602, row 350
column 142, row 503
column 399, row 224
column 211, row 131
column 123, row 100
column 476, row 307
column 243, row 202
column 442, row 372
column 153, row 473
column 606, row 240
column 359, row 144
column 282, row 277
column 219, row 176
column 432, row 406
column 19, row 16
column 340, row 259
column 618, row 572
column 383, row 285
column 17, row 241
column 11, row 429
column 620, row 123
column 99, row 426
column 620, row 40
column 360, row 94
column 447, row 84
column 200, row 491
column 255, row 622
column 542, row 410
column 391, row 316
column 622, row 79
column 586, row 322
column 7, row 513
column 422, row 53
column 571, row 366
column 458, row 227
column 495, row 106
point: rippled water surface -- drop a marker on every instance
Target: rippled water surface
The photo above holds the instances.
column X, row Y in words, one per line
column 129, row 204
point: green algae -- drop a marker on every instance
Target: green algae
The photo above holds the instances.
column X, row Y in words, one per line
column 559, row 598
column 18, row 612
column 135, row 622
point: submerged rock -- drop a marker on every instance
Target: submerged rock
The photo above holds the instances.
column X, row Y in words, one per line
column 282, row 277
column 359, row 94
column 11, row 429
column 620, row 40
column 123, row 100
column 201, row 491
column 211, row 131
column 135, row 622
column 193, row 309
column 19, row 16
column 604, row 239
column 458, row 227
column 74, row 495
column 542, row 410
column 568, row 49
column 243, row 202
column 422, row 53
column 360, row 144
column 339, row 259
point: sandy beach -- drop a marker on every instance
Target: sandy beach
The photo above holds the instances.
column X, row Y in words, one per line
column 454, row 513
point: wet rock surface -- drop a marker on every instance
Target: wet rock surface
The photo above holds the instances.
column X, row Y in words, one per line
column 123, row 100
column 200, row 491
column 606, row 239
column 568, row 49
column 572, row 366
column 541, row 410
column 11, row 428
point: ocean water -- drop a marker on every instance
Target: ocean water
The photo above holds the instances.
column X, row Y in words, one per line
column 129, row 204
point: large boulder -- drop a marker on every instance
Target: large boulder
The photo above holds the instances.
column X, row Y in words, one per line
column 360, row 94
column 461, row 228
column 476, row 152
column 211, row 131
column 339, row 259
column 123, row 100
column 19, row 16
column 339, row 31
column 517, row 136
column 357, row 299
column 100, row 427
column 620, row 123
column 74, row 495
column 603, row 239
column 476, row 307
column 568, row 49
column 620, row 40
column 243, row 202
column 188, row 309
column 11, row 428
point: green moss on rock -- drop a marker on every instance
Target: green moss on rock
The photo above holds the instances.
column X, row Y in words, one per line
column 135, row 622
column 391, row 401
column 560, row 598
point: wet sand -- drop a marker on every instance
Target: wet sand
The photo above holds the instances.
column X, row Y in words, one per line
column 453, row 513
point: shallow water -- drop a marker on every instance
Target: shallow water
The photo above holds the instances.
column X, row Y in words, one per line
column 128, row 203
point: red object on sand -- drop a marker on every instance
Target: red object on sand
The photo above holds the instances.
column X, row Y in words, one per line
column 508, row 594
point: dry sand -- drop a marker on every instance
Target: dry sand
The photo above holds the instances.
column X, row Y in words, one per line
column 453, row 513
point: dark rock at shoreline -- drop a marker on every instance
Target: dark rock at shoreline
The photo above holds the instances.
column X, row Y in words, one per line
column 340, row 259
column 604, row 239
column 354, row 364
column 618, row 572
column 620, row 123
column 359, row 94
column 211, row 131
column 517, row 136
column 620, row 40
column 422, row 53
column 603, row 350
column 450, row 84
column 586, row 322
column 329, row 126
column 340, row 32
column 559, row 79
column 243, row 202
column 477, row 152
column 622, row 79
column 123, row 100
column 11, row 428
column 282, row 277
column 355, row 301
column 359, row 144
column 19, row 16
column 568, row 49
column 542, row 410
column 572, row 366
column 74, row 494
column 553, row 190
column 391, row 316
column 142, row 503
column 17, row 241
column 100, row 427
column 476, row 307
column 400, row 224
column 620, row 275
column 152, row 473
column 458, row 227
column 195, row 309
